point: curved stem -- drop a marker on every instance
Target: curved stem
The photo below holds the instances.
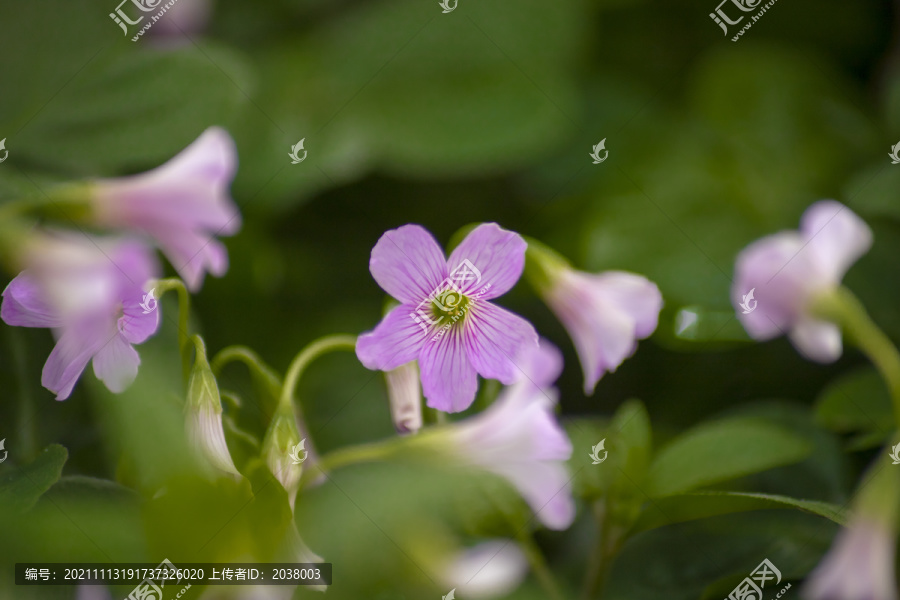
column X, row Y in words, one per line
column 845, row 309
column 353, row 455
column 539, row 565
column 184, row 308
column 241, row 354
column 314, row 350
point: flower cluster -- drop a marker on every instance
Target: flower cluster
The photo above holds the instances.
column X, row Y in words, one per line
column 448, row 331
column 95, row 292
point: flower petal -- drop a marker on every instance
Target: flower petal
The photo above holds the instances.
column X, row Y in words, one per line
column 408, row 264
column 489, row 570
column 449, row 380
column 835, row 236
column 547, row 489
column 24, row 305
column 817, row 340
column 70, row 356
column 494, row 337
column 497, row 254
column 634, row 294
column 397, row 340
column 603, row 331
column 779, row 275
column 134, row 325
column 405, row 397
column 116, row 364
column 193, row 254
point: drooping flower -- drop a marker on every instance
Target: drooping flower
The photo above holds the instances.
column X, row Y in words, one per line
column 489, row 570
column 91, row 293
column 203, row 410
column 445, row 320
column 859, row 566
column 405, row 397
column 787, row 271
column 519, row 439
column 183, row 205
column 605, row 314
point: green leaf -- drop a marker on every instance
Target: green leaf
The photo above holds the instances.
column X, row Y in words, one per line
column 21, row 488
column 135, row 110
column 700, row 505
column 856, row 401
column 722, row 450
column 680, row 561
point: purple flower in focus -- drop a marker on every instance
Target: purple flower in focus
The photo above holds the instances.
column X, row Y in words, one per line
column 183, row 205
column 89, row 292
column 790, row 269
column 519, row 439
column 859, row 566
column 445, row 320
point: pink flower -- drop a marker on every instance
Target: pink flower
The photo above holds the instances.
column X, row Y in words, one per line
column 491, row 569
column 445, row 320
column 859, row 566
column 788, row 270
column 519, row 439
column 183, row 205
column 605, row 315
column 89, row 292
column 405, row 398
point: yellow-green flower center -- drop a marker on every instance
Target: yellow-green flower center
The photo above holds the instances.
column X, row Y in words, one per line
column 449, row 307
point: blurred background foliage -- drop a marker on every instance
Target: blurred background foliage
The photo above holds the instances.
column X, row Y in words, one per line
column 484, row 114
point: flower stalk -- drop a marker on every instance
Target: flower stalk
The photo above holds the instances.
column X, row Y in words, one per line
column 844, row 309
column 184, row 310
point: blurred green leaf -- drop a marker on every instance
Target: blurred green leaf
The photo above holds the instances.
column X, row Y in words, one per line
column 21, row 488
column 855, row 401
column 722, row 450
column 135, row 110
column 700, row 505
column 680, row 561
column 388, row 85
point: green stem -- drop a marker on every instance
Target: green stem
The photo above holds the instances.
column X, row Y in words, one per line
column 314, row 350
column 241, row 354
column 843, row 308
column 539, row 565
column 184, row 308
column 354, row 455
column 593, row 575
